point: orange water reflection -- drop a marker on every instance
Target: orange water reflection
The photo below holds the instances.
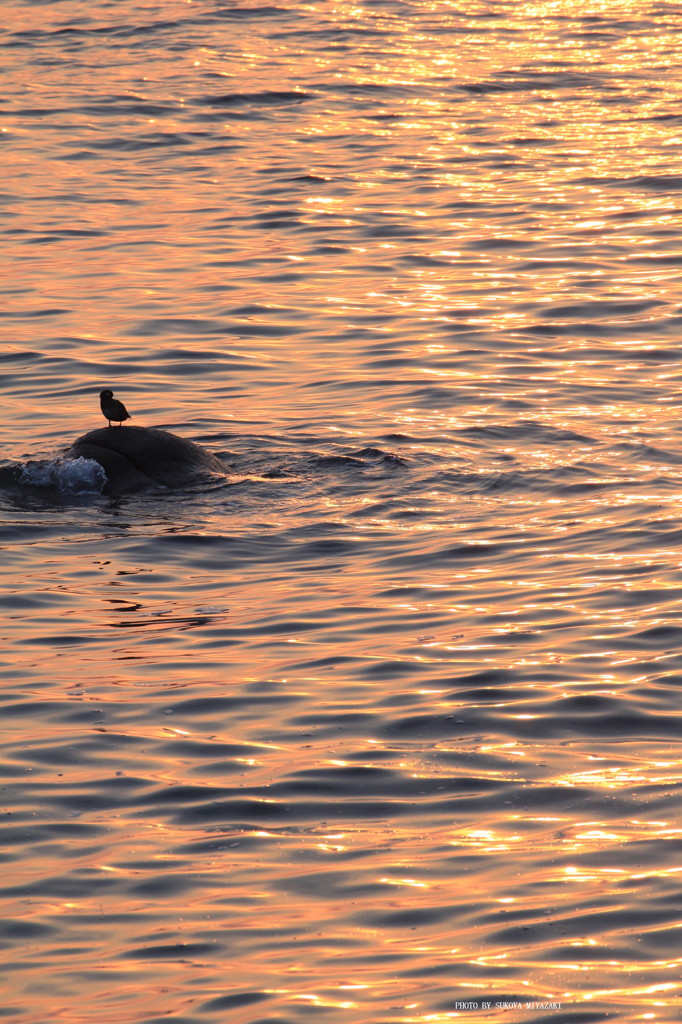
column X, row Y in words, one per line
column 364, row 746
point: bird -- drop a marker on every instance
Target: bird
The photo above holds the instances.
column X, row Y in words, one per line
column 112, row 409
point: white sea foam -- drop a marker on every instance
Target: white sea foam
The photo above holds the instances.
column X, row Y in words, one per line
column 67, row 476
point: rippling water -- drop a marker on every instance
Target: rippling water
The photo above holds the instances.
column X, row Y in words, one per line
column 384, row 728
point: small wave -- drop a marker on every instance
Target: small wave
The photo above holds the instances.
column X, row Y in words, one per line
column 67, row 476
column 267, row 97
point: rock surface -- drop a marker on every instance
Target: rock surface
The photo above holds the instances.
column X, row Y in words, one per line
column 137, row 458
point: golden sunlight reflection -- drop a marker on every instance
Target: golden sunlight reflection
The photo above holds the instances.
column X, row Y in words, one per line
column 324, row 1002
column 387, row 720
column 409, row 882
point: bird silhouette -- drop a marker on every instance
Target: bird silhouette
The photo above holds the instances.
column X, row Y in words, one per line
column 112, row 409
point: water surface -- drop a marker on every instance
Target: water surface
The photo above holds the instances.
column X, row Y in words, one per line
column 384, row 728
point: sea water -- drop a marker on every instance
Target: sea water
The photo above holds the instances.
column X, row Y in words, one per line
column 385, row 727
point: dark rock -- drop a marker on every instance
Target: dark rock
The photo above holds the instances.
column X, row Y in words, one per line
column 137, row 458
